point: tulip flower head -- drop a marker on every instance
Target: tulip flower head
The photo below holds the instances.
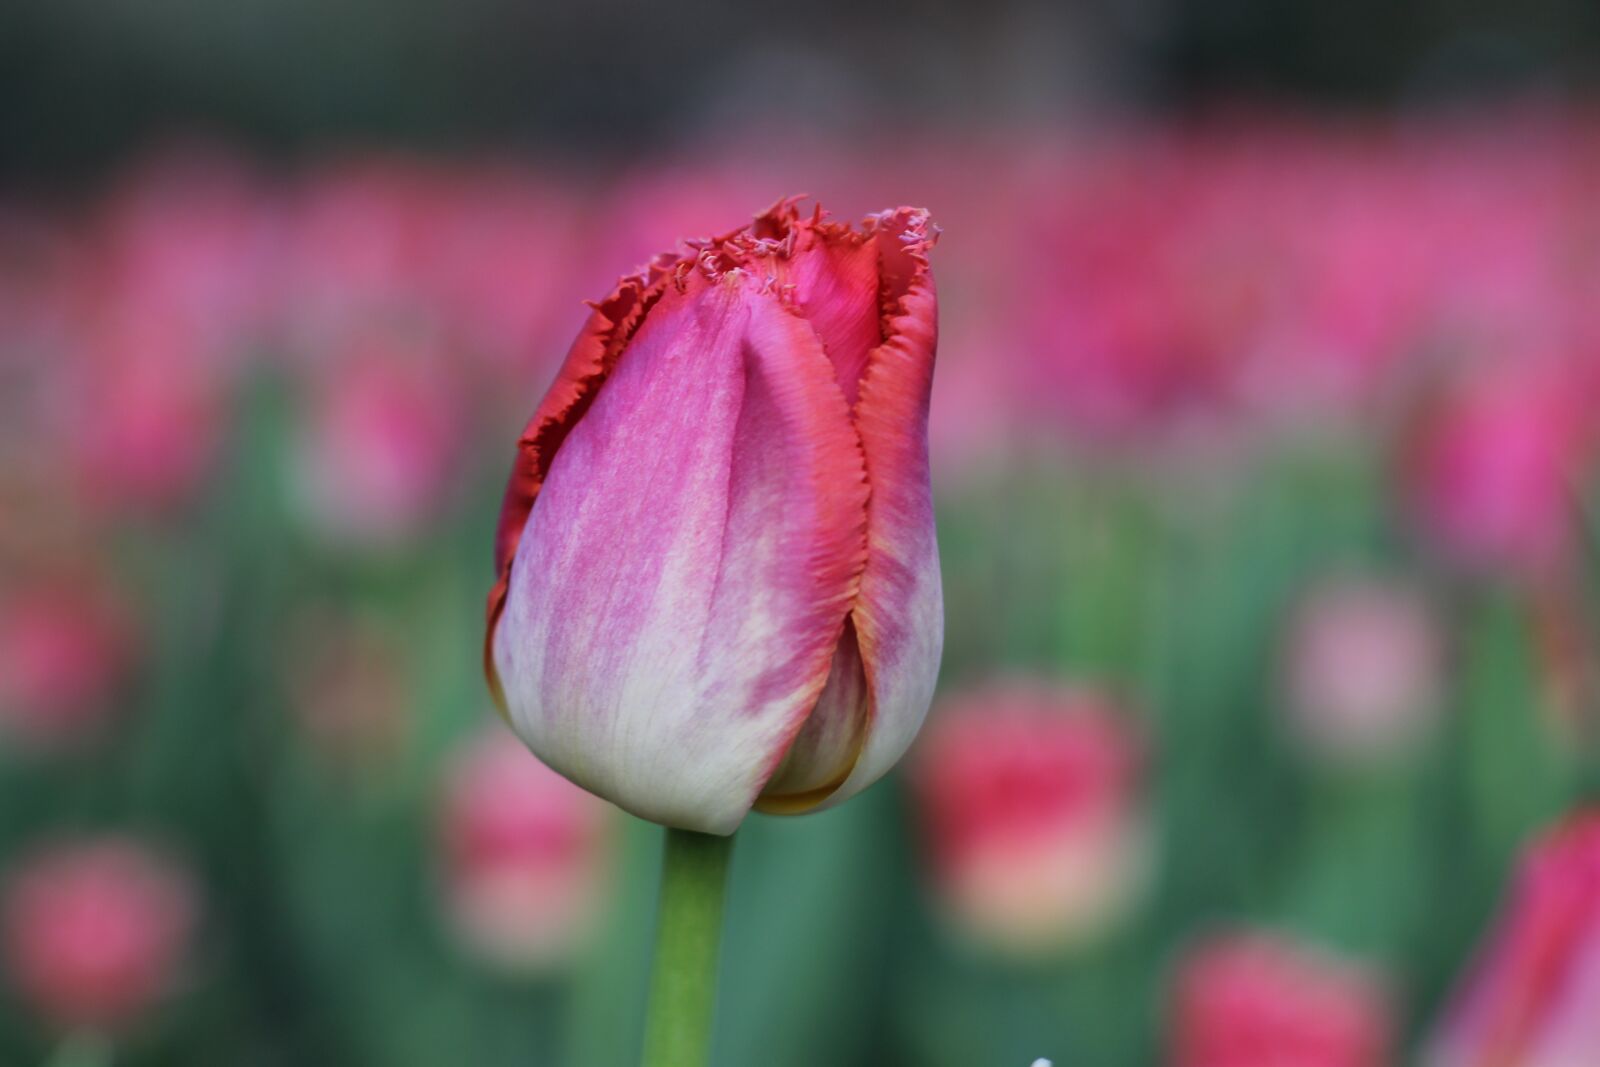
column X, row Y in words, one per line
column 1259, row 1000
column 1492, row 470
column 1363, row 670
column 525, row 855
column 95, row 932
column 718, row 582
column 1530, row 999
column 1030, row 803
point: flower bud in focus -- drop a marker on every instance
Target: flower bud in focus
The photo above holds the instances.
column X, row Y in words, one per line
column 718, row 579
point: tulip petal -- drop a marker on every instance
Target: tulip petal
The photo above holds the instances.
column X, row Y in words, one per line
column 588, row 362
column 899, row 612
column 828, row 745
column 830, row 272
column 677, row 596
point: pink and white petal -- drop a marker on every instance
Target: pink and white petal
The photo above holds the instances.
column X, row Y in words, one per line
column 899, row 613
column 681, row 585
column 587, row 364
column 1570, row 1031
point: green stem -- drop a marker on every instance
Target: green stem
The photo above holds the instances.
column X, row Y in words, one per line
column 683, row 982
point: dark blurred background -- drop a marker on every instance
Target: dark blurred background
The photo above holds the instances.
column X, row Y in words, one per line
column 83, row 82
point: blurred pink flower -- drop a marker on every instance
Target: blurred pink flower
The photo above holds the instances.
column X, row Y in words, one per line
column 65, row 645
column 362, row 236
column 1493, row 468
column 192, row 237
column 1529, row 1000
column 1363, row 667
column 95, row 932
column 504, row 272
column 1029, row 799
column 170, row 293
column 379, row 439
column 145, row 414
column 1260, row 1000
column 526, row 855
column 1151, row 278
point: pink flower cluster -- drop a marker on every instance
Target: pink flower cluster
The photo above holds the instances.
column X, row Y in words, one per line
column 1427, row 286
column 1429, row 281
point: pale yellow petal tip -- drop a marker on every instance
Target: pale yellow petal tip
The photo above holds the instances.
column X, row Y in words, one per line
column 497, row 695
column 797, row 803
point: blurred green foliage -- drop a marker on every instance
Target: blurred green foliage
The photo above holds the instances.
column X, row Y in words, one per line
column 324, row 942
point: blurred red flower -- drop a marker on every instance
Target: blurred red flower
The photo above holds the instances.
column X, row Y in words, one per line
column 1530, row 999
column 1030, row 803
column 1260, row 1000
column 526, row 855
column 95, row 931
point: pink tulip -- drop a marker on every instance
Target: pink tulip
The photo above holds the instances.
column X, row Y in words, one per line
column 377, row 450
column 362, row 240
column 190, row 236
column 502, row 270
column 95, row 932
column 1258, row 1000
column 1530, row 998
column 1494, row 468
column 64, row 647
column 525, row 855
column 1363, row 670
column 146, row 407
column 1030, row 802
column 727, row 594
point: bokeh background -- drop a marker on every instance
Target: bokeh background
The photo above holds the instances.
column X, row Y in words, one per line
column 1264, row 431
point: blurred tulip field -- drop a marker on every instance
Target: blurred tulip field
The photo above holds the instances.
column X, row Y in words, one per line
column 1266, row 458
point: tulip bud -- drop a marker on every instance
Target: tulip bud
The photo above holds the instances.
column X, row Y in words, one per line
column 1029, row 802
column 726, row 593
column 525, row 855
column 95, row 932
column 1530, row 998
column 1249, row 1000
column 1363, row 668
